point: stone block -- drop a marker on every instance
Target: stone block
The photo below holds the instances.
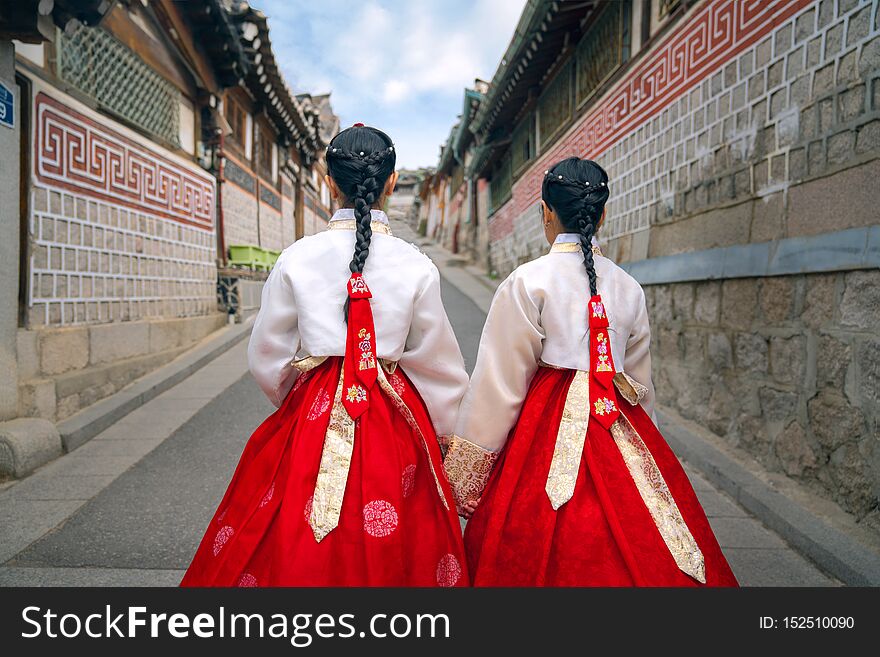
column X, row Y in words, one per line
column 707, row 297
column 751, row 353
column 817, row 206
column 847, row 69
column 820, row 300
column 805, row 25
column 783, row 40
column 852, row 477
column 869, row 370
column 719, row 351
column 167, row 334
column 112, row 342
column 851, row 103
column 859, row 26
column 777, row 405
column 869, row 59
column 788, row 359
column 27, row 354
column 36, row 398
column 768, row 218
column 661, row 310
column 63, row 350
column 833, row 43
column 841, row 147
column 860, row 305
column 833, row 420
column 683, row 301
column 719, row 227
column 868, row 137
column 793, row 450
column 26, row 444
column 777, row 298
column 739, row 299
column 833, row 358
column 720, row 409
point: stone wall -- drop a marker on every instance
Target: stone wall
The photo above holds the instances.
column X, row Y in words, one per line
column 288, row 212
column 239, row 215
column 786, row 367
column 62, row 370
column 119, row 229
column 121, row 275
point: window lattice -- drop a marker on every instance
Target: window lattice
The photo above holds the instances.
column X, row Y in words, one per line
column 98, row 65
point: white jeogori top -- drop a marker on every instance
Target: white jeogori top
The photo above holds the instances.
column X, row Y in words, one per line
column 301, row 314
column 539, row 314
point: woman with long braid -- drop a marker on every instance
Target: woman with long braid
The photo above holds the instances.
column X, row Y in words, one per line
column 343, row 484
column 556, row 457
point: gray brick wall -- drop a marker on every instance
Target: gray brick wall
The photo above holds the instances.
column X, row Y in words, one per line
column 96, row 262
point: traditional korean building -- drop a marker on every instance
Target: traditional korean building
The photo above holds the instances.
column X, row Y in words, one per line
column 142, row 141
column 459, row 228
column 742, row 141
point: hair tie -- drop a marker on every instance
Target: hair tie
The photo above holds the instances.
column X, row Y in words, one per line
column 358, row 125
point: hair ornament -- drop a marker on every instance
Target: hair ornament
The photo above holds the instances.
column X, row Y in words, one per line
column 358, row 125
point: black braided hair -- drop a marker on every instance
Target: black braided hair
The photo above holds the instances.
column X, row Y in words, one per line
column 360, row 160
column 577, row 191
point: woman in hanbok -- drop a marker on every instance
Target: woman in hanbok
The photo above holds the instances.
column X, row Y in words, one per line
column 556, row 453
column 343, row 485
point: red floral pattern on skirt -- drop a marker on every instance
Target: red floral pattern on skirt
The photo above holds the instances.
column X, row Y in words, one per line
column 515, row 538
column 393, row 529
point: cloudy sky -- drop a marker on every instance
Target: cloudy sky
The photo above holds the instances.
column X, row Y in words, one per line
column 401, row 65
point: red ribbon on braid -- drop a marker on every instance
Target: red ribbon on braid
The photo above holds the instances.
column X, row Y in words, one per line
column 359, row 371
column 603, row 401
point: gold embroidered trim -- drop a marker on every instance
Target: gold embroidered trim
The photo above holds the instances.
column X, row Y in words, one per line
column 569, row 441
column 541, row 363
column 333, row 472
column 572, row 247
column 403, row 409
column 351, row 224
column 308, row 363
column 467, row 467
column 658, row 499
column 632, row 390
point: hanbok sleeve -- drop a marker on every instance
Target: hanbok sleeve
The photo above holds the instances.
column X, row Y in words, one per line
column 432, row 359
column 510, row 350
column 275, row 337
column 637, row 360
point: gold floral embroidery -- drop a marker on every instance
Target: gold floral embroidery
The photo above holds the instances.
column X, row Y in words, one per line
column 333, row 471
column 351, row 224
column 602, row 361
column 368, row 361
column 658, row 499
column 570, row 440
column 403, row 409
column 604, row 405
column 629, row 388
column 572, row 247
column 467, row 467
column 356, row 394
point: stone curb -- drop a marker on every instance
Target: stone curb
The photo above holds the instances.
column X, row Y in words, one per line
column 88, row 423
column 832, row 550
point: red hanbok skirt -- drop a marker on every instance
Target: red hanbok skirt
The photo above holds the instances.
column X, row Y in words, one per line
column 393, row 529
column 604, row 535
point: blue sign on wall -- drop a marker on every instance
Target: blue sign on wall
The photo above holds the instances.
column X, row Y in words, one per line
column 7, row 106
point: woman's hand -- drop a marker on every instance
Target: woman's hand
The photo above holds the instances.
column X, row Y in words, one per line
column 467, row 509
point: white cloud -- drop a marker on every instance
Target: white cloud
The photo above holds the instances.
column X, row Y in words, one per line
column 400, row 64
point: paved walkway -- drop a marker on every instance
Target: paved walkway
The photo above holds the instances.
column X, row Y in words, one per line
column 129, row 507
